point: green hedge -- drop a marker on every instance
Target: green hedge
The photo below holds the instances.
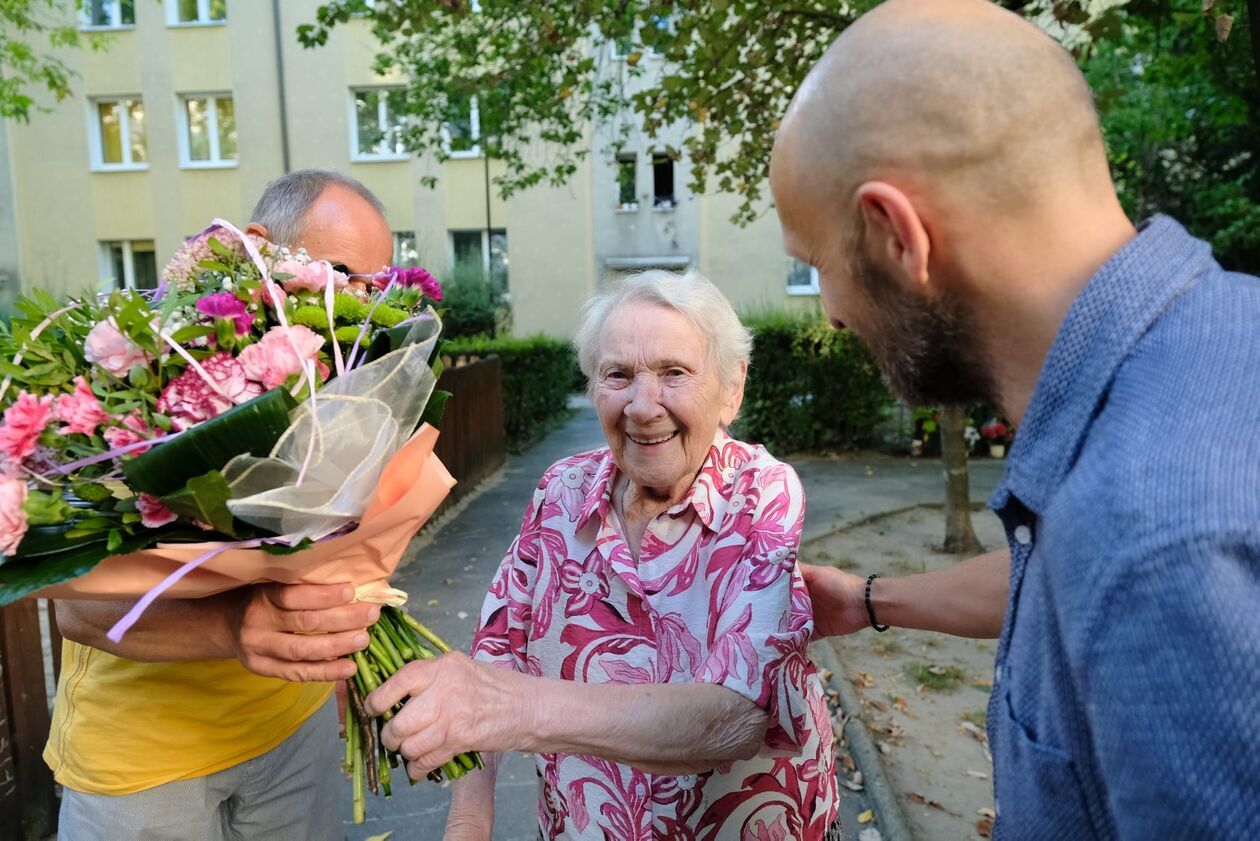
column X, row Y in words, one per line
column 537, row 381
column 809, row 387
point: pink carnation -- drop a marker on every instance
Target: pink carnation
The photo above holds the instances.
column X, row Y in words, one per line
column 81, row 411
column 12, row 517
column 188, row 399
column 153, row 514
column 133, row 431
column 109, row 348
column 23, row 423
column 312, row 276
column 272, row 360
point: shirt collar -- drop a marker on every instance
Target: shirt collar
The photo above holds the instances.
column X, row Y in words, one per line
column 1113, row 311
column 708, row 495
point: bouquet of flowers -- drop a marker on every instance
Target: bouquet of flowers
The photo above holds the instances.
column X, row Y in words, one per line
column 257, row 417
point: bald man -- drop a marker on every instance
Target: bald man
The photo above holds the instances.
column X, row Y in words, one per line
column 943, row 169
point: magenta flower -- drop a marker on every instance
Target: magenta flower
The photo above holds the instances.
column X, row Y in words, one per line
column 188, row 399
column 81, row 411
column 409, row 276
column 226, row 305
column 153, row 514
column 23, row 423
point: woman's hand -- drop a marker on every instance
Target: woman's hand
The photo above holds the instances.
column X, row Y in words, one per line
column 456, row 705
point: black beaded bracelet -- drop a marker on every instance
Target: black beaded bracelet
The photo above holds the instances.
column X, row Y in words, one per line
column 870, row 609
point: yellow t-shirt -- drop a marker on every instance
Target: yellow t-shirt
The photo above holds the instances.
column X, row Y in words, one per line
column 120, row 726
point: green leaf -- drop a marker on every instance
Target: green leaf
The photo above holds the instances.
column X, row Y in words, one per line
column 114, row 540
column 20, row 576
column 435, row 408
column 204, row 498
column 252, row 427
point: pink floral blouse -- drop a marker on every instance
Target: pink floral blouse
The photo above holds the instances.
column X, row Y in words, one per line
column 715, row 597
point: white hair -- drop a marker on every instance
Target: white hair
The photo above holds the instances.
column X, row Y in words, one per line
column 692, row 295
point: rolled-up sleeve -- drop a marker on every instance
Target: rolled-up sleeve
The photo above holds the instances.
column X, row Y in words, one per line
column 760, row 623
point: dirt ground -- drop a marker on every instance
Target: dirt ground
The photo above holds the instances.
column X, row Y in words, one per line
column 923, row 694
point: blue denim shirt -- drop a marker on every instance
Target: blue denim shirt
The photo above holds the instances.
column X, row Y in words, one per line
column 1126, row 695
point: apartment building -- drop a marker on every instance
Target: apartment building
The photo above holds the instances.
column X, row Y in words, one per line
column 192, row 106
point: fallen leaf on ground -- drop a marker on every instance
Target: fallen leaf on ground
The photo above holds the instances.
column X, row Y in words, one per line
column 463, row 614
column 384, row 836
column 884, row 749
column 870, row 834
column 915, row 797
column 867, row 816
column 877, row 704
column 979, row 775
column 432, row 602
column 863, row 679
column 984, row 826
column 976, row 732
column 900, row 705
column 853, row 783
column 986, row 812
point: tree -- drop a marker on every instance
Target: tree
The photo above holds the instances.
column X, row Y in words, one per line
column 542, row 72
column 29, row 31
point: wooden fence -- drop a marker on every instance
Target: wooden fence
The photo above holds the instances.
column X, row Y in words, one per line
column 28, row 799
column 472, row 445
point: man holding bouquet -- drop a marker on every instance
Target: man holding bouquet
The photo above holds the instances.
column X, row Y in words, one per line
column 212, row 718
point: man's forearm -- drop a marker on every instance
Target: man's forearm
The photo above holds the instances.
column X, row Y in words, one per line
column 967, row 599
column 170, row 630
column 659, row 728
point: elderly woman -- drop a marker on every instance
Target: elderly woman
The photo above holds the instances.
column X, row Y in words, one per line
column 645, row 634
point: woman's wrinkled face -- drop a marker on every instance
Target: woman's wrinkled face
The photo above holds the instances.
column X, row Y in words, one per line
column 658, row 396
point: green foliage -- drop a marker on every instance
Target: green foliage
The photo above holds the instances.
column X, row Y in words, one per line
column 537, row 381
column 936, row 678
column 29, row 30
column 809, row 387
column 1181, row 117
column 473, row 304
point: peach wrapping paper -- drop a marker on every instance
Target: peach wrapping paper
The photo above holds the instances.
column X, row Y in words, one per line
column 412, row 485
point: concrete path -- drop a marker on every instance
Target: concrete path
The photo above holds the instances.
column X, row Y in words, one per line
column 447, row 571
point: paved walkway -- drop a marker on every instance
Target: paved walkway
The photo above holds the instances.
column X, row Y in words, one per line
column 447, row 572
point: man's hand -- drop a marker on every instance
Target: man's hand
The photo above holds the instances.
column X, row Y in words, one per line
column 838, row 598
column 301, row 632
column 457, row 705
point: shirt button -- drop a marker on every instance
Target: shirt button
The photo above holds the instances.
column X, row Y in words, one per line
column 1023, row 535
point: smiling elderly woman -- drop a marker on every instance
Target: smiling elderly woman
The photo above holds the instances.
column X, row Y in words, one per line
column 649, row 623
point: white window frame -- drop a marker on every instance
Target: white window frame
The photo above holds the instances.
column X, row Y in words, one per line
column 203, row 15
column 216, row 161
column 485, row 246
column 108, row 283
column 115, row 17
column 812, row 289
column 474, row 132
column 97, row 142
column 382, row 112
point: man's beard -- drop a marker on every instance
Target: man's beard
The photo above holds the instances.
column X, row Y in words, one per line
column 927, row 349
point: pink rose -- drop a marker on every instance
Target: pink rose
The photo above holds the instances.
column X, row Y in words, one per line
column 81, row 411
column 189, row 399
column 107, row 347
column 312, row 276
column 153, row 514
column 12, row 517
column 23, row 422
column 272, row 360
column 133, row 431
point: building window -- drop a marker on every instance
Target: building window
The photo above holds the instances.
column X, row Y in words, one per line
column 627, row 178
column 663, row 196
column 491, row 253
column 195, row 12
column 107, row 14
column 802, row 279
column 208, row 136
column 128, row 264
column 463, row 133
column 405, row 251
column 117, row 134
column 378, row 124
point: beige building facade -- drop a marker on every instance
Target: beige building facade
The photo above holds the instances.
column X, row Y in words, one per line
column 192, row 106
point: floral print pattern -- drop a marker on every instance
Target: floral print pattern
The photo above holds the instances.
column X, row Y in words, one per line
column 715, row 597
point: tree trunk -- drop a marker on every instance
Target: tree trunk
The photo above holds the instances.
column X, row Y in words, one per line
column 960, row 538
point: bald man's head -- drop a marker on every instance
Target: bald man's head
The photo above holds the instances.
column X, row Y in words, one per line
column 956, row 97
